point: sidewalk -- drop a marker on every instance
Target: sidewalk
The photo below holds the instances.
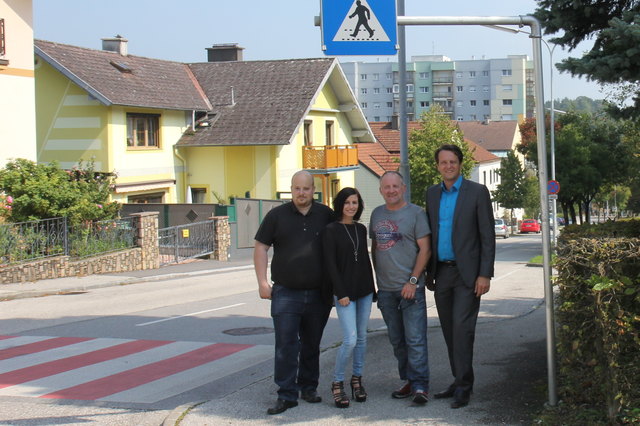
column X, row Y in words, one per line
column 510, row 359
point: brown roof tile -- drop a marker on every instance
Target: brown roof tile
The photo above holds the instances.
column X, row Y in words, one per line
column 376, row 158
column 493, row 136
column 269, row 99
column 127, row 80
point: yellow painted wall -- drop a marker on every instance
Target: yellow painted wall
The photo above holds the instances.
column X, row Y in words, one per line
column 205, row 166
column 17, row 91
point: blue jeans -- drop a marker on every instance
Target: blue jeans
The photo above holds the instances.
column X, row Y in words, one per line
column 354, row 319
column 407, row 328
column 299, row 317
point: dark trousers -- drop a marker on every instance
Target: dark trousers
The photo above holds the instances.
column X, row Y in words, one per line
column 458, row 309
column 299, row 317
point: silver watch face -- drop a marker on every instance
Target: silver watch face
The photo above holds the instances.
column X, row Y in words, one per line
column 413, row 280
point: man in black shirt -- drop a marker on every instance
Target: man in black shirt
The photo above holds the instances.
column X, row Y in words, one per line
column 298, row 308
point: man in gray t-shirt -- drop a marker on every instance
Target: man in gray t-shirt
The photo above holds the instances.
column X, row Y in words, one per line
column 400, row 247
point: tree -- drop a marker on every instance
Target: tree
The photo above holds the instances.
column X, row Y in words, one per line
column 510, row 194
column 41, row 191
column 615, row 55
column 435, row 130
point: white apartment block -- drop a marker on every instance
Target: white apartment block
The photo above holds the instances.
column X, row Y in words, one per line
column 468, row 90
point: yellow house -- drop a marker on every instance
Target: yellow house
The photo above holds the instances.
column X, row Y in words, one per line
column 202, row 132
column 17, row 109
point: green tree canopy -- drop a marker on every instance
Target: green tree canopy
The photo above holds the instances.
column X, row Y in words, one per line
column 41, row 191
column 436, row 129
column 615, row 55
column 511, row 193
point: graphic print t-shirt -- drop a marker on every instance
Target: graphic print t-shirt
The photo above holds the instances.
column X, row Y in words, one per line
column 395, row 233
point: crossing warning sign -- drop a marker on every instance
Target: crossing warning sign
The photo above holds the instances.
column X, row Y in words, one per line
column 359, row 27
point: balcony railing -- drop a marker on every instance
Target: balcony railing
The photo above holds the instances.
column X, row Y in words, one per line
column 329, row 157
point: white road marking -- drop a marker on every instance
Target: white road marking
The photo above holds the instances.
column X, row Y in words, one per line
column 188, row 315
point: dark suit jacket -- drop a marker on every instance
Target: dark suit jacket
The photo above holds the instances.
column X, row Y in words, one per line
column 473, row 236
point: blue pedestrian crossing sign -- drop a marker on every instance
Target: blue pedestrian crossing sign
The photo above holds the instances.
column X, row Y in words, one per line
column 359, row 27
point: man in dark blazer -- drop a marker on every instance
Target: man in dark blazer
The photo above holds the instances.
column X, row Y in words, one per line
column 463, row 253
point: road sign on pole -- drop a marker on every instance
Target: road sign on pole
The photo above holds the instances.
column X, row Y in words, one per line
column 359, row 27
column 553, row 187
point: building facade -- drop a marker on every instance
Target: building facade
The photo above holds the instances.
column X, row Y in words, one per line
column 468, row 90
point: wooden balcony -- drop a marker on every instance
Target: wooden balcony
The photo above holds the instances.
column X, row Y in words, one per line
column 329, row 157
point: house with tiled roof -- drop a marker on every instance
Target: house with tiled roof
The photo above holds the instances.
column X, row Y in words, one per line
column 384, row 155
column 17, row 109
column 201, row 132
column 497, row 137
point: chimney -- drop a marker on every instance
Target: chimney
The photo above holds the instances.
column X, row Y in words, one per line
column 395, row 122
column 116, row 44
column 225, row 52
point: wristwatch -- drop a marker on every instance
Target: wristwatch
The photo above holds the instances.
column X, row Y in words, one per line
column 413, row 280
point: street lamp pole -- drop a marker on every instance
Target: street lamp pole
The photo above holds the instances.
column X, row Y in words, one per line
column 554, row 211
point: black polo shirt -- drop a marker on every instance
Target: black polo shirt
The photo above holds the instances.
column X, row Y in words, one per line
column 297, row 244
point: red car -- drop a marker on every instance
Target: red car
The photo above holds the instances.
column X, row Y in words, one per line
column 529, row 225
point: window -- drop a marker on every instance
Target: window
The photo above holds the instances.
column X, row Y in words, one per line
column 389, row 76
column 459, row 104
column 363, row 91
column 363, row 105
column 389, row 90
column 485, row 102
column 459, row 118
column 472, row 117
column 376, row 118
column 376, row 76
column 396, row 88
column 142, row 131
column 409, row 88
column 507, row 87
column 424, row 75
column 197, row 195
column 485, row 89
column 376, row 105
column 156, row 197
column 308, row 134
column 485, row 73
column 458, row 75
column 376, row 90
column 363, row 76
column 507, row 102
column 328, row 126
column 472, row 74
column 459, row 88
column 409, row 105
column 389, row 104
column 506, row 73
column 424, row 104
column 3, row 46
column 472, row 89
column 424, row 90
column 472, row 103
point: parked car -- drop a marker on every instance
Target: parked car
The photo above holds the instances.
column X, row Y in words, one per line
column 529, row 225
column 501, row 229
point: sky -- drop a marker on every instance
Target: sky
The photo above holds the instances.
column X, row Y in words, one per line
column 284, row 29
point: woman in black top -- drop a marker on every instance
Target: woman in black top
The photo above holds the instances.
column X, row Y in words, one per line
column 349, row 271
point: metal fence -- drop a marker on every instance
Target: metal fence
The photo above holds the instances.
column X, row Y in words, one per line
column 179, row 243
column 26, row 241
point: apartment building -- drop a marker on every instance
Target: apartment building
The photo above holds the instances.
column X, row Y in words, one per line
column 468, row 90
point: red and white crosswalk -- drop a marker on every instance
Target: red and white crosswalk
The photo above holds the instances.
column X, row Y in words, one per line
column 116, row 370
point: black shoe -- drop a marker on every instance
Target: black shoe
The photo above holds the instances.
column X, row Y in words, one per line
column 311, row 396
column 461, row 399
column 281, row 406
column 448, row 393
column 403, row 392
column 420, row 397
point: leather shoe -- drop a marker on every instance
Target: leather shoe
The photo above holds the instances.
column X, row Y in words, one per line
column 311, row 396
column 281, row 406
column 420, row 397
column 447, row 393
column 461, row 399
column 403, row 392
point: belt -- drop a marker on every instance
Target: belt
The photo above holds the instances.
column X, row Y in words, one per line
column 449, row 263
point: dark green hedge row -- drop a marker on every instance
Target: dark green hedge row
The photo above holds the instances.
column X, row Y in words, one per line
column 598, row 315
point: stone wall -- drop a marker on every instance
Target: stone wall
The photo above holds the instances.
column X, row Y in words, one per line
column 223, row 237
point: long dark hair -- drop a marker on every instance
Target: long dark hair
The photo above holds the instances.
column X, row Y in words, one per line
column 341, row 197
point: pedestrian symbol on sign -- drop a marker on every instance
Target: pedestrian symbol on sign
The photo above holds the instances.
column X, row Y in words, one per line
column 367, row 19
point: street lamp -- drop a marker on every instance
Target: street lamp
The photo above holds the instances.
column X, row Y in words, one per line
column 554, row 212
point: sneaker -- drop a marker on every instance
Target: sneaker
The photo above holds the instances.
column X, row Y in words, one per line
column 403, row 392
column 420, row 396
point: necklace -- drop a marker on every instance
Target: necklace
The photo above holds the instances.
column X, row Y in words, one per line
column 356, row 244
